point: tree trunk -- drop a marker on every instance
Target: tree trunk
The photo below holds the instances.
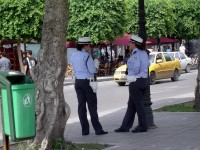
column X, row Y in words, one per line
column 197, row 88
column 20, row 57
column 51, row 110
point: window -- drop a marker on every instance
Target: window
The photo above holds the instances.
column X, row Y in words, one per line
column 182, row 56
column 151, row 58
column 167, row 57
column 173, row 55
column 159, row 56
column 177, row 56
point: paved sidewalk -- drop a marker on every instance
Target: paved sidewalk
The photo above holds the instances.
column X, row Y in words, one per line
column 175, row 131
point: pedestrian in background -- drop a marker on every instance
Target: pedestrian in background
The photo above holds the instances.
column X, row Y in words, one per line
column 168, row 49
column 29, row 63
column 137, row 77
column 182, row 48
column 84, row 69
column 4, row 62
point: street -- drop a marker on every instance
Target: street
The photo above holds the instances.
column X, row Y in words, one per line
column 112, row 97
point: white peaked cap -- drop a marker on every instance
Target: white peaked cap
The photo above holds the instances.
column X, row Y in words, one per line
column 84, row 40
column 136, row 39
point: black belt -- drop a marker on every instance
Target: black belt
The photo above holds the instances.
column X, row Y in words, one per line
column 84, row 79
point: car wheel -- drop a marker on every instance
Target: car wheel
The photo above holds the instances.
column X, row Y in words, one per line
column 187, row 69
column 152, row 78
column 121, row 83
column 175, row 76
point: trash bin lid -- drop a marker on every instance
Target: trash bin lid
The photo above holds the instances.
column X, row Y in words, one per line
column 22, row 86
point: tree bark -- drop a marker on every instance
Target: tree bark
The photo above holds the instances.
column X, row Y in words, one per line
column 20, row 57
column 197, row 88
column 51, row 109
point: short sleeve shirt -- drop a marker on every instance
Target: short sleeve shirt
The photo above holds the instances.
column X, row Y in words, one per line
column 4, row 64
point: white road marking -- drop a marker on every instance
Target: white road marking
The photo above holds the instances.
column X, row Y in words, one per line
column 101, row 114
column 157, row 92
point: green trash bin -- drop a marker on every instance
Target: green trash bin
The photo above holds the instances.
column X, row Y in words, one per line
column 18, row 105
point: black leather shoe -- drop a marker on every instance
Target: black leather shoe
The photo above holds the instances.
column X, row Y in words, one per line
column 87, row 133
column 101, row 133
column 121, row 130
column 137, row 130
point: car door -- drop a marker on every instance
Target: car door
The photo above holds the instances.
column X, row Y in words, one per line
column 170, row 65
column 177, row 56
column 159, row 66
column 183, row 61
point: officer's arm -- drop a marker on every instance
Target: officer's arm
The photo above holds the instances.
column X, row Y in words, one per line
column 145, row 64
column 91, row 66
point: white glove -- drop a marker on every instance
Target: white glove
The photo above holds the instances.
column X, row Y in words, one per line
column 131, row 79
column 96, row 63
column 94, row 86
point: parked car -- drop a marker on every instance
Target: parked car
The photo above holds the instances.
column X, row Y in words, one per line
column 184, row 60
column 162, row 66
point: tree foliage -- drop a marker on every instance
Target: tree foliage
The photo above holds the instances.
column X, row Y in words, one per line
column 21, row 19
column 104, row 20
column 160, row 21
column 187, row 14
column 101, row 20
column 132, row 13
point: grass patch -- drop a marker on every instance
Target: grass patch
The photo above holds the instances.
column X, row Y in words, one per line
column 69, row 146
column 183, row 107
column 58, row 145
column 90, row 146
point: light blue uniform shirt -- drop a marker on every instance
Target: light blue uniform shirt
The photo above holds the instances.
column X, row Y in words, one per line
column 78, row 62
column 138, row 64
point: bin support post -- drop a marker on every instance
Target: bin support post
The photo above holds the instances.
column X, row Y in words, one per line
column 5, row 137
column 6, row 142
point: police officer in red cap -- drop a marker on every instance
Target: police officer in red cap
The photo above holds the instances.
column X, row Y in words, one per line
column 137, row 77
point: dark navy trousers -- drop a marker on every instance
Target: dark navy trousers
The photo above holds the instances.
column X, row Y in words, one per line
column 136, row 104
column 85, row 95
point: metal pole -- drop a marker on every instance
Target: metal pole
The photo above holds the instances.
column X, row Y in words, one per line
column 6, row 142
column 142, row 33
column 5, row 137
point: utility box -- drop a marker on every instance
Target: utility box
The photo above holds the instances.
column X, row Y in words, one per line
column 18, row 105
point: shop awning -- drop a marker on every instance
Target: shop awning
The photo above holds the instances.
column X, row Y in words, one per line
column 124, row 40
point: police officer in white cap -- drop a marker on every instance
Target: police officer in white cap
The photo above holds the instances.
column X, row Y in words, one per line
column 84, row 69
column 137, row 77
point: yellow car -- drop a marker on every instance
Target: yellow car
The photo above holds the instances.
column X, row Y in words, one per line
column 162, row 66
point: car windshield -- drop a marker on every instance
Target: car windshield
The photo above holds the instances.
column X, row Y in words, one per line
column 151, row 58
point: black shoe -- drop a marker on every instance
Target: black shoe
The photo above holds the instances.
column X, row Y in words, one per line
column 87, row 133
column 137, row 127
column 137, row 130
column 121, row 130
column 101, row 133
